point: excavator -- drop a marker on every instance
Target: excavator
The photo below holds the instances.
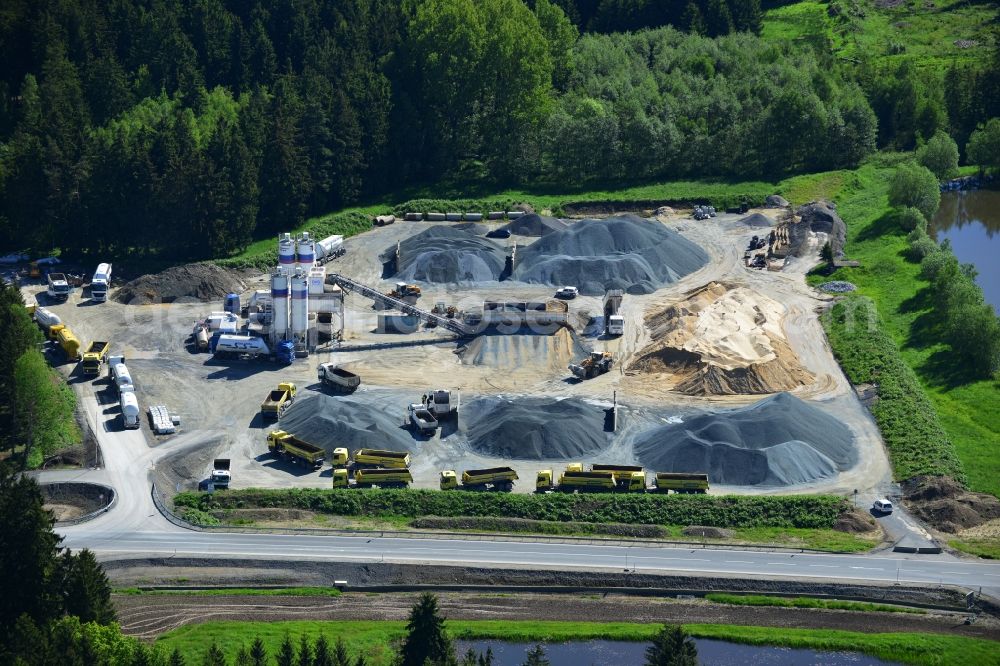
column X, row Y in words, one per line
column 403, row 290
column 596, row 364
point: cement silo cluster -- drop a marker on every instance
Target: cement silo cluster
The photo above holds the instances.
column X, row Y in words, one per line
column 304, row 308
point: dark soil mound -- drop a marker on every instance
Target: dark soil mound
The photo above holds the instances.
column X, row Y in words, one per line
column 945, row 504
column 778, row 441
column 447, row 255
column 202, row 281
column 855, row 522
column 757, row 220
column 535, row 428
column 624, row 252
column 709, row 532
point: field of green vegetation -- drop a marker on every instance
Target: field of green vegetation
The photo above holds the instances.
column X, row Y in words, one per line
column 807, row 602
column 375, row 638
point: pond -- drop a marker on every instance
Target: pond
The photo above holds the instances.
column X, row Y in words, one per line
column 710, row 652
column 971, row 221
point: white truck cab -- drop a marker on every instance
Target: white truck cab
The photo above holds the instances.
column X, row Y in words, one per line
column 100, row 283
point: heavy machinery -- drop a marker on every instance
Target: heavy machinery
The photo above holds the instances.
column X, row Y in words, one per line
column 379, row 458
column 221, row 476
column 47, row 320
column 59, row 288
column 94, row 356
column 575, row 479
column 66, row 341
column 439, row 403
column 100, row 283
column 369, row 478
column 278, row 400
column 596, row 364
column 495, row 478
column 680, row 482
column 130, row 409
column 404, row 290
column 422, row 419
column 289, row 447
column 332, row 375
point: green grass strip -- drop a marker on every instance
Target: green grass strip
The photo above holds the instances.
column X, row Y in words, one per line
column 375, row 639
column 807, row 602
column 239, row 592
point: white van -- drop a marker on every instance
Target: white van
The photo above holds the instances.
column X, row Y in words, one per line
column 882, row 506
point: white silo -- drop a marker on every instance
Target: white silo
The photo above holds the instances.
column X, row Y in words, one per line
column 279, row 304
column 286, row 252
column 300, row 305
column 306, row 249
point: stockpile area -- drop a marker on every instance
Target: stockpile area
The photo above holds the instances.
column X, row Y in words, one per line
column 534, row 428
column 512, row 352
column 446, row 254
column 757, row 220
column 352, row 422
column 624, row 252
column 202, row 281
column 722, row 339
column 778, row 441
column 534, row 225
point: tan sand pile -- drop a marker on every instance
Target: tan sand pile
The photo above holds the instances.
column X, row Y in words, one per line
column 722, row 340
column 512, row 352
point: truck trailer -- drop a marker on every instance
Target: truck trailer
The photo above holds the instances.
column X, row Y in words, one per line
column 46, row 320
column 94, row 356
column 680, row 482
column 422, row 419
column 66, row 341
column 289, row 447
column 278, row 400
column 373, row 478
column 495, row 478
column 130, row 410
column 607, row 481
column 379, row 458
column 329, row 374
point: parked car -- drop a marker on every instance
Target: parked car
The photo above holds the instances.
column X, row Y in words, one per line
column 567, row 292
column 882, row 506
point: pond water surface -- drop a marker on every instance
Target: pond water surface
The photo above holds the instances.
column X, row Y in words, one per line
column 626, row 653
column 971, row 221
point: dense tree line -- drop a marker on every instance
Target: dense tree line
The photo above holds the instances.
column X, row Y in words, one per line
column 36, row 406
column 188, row 129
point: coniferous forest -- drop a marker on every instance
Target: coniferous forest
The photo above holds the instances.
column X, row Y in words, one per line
column 188, row 129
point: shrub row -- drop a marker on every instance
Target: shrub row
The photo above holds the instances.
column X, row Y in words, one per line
column 917, row 442
column 483, row 206
column 804, row 511
column 499, row 524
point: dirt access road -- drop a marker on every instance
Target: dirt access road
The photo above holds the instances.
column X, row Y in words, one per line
column 218, row 403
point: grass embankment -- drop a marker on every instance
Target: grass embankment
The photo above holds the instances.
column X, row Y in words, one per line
column 807, row 602
column 376, row 639
column 239, row 592
column 967, row 409
column 987, row 548
column 798, row 521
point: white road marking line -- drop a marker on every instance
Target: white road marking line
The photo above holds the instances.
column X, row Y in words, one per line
column 738, row 562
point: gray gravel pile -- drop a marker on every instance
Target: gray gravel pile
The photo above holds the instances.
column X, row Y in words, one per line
column 775, row 201
column 203, row 282
column 352, row 422
column 471, row 228
column 818, row 217
column 778, row 441
column 623, row 252
column 757, row 220
column 837, row 287
column 534, row 224
column 448, row 255
column 534, row 428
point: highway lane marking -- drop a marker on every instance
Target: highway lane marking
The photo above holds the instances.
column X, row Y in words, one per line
column 992, row 575
column 825, row 566
column 737, row 562
column 871, row 568
column 784, row 564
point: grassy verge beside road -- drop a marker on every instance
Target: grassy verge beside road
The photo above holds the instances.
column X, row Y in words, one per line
column 240, row 592
column 988, row 548
column 375, row 638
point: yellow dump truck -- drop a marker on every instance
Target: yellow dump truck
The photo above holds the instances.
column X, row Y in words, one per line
column 94, row 356
column 66, row 340
column 369, row 478
column 289, row 447
column 575, row 480
column 377, row 458
column 679, row 482
column 625, row 476
column 278, row 400
column 495, row 478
